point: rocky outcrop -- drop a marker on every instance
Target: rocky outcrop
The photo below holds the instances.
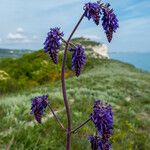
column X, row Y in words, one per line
column 99, row 51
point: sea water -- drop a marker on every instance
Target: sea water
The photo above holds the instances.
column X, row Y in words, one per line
column 140, row 60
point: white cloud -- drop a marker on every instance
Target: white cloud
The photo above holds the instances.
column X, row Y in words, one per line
column 138, row 6
column 0, row 40
column 20, row 30
column 132, row 35
column 58, row 3
column 90, row 32
column 91, row 37
column 26, row 41
column 131, row 26
column 35, row 37
column 18, row 36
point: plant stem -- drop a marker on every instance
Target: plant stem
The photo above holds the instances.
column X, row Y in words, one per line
column 68, row 142
column 66, row 42
column 74, row 131
column 56, row 117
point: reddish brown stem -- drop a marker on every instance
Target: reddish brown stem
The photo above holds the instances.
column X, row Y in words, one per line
column 68, row 142
column 71, row 44
column 56, row 118
column 80, row 126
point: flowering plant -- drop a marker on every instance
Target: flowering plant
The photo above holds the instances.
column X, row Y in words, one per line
column 102, row 115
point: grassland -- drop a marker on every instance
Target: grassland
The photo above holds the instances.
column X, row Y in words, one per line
column 126, row 88
column 34, row 69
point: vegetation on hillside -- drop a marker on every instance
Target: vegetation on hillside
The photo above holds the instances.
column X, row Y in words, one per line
column 122, row 85
column 29, row 71
column 34, row 69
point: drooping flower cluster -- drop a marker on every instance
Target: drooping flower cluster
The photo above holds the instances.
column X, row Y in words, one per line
column 78, row 58
column 109, row 21
column 92, row 10
column 52, row 43
column 39, row 104
column 94, row 140
column 102, row 117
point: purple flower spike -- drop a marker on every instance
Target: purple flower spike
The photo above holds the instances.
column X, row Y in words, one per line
column 102, row 117
column 39, row 103
column 97, row 143
column 52, row 43
column 94, row 142
column 104, row 144
column 78, row 59
column 109, row 21
column 92, row 10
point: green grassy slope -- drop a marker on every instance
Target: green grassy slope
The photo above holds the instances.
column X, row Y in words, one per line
column 29, row 71
column 123, row 86
column 33, row 69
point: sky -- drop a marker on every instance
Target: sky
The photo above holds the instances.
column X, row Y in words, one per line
column 24, row 23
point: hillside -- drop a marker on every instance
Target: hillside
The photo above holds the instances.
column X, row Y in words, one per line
column 16, row 53
column 122, row 85
column 36, row 68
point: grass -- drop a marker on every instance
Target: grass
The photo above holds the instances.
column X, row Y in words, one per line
column 34, row 69
column 122, row 85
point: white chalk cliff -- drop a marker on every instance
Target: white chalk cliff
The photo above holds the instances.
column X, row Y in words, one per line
column 99, row 51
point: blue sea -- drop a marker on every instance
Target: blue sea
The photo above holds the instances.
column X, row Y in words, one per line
column 140, row 60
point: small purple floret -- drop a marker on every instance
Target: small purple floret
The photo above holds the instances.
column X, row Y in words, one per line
column 97, row 143
column 92, row 10
column 109, row 21
column 94, row 140
column 102, row 117
column 52, row 43
column 39, row 104
column 78, row 59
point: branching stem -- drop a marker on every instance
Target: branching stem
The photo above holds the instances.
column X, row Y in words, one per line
column 71, row 44
column 77, row 128
column 56, row 118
